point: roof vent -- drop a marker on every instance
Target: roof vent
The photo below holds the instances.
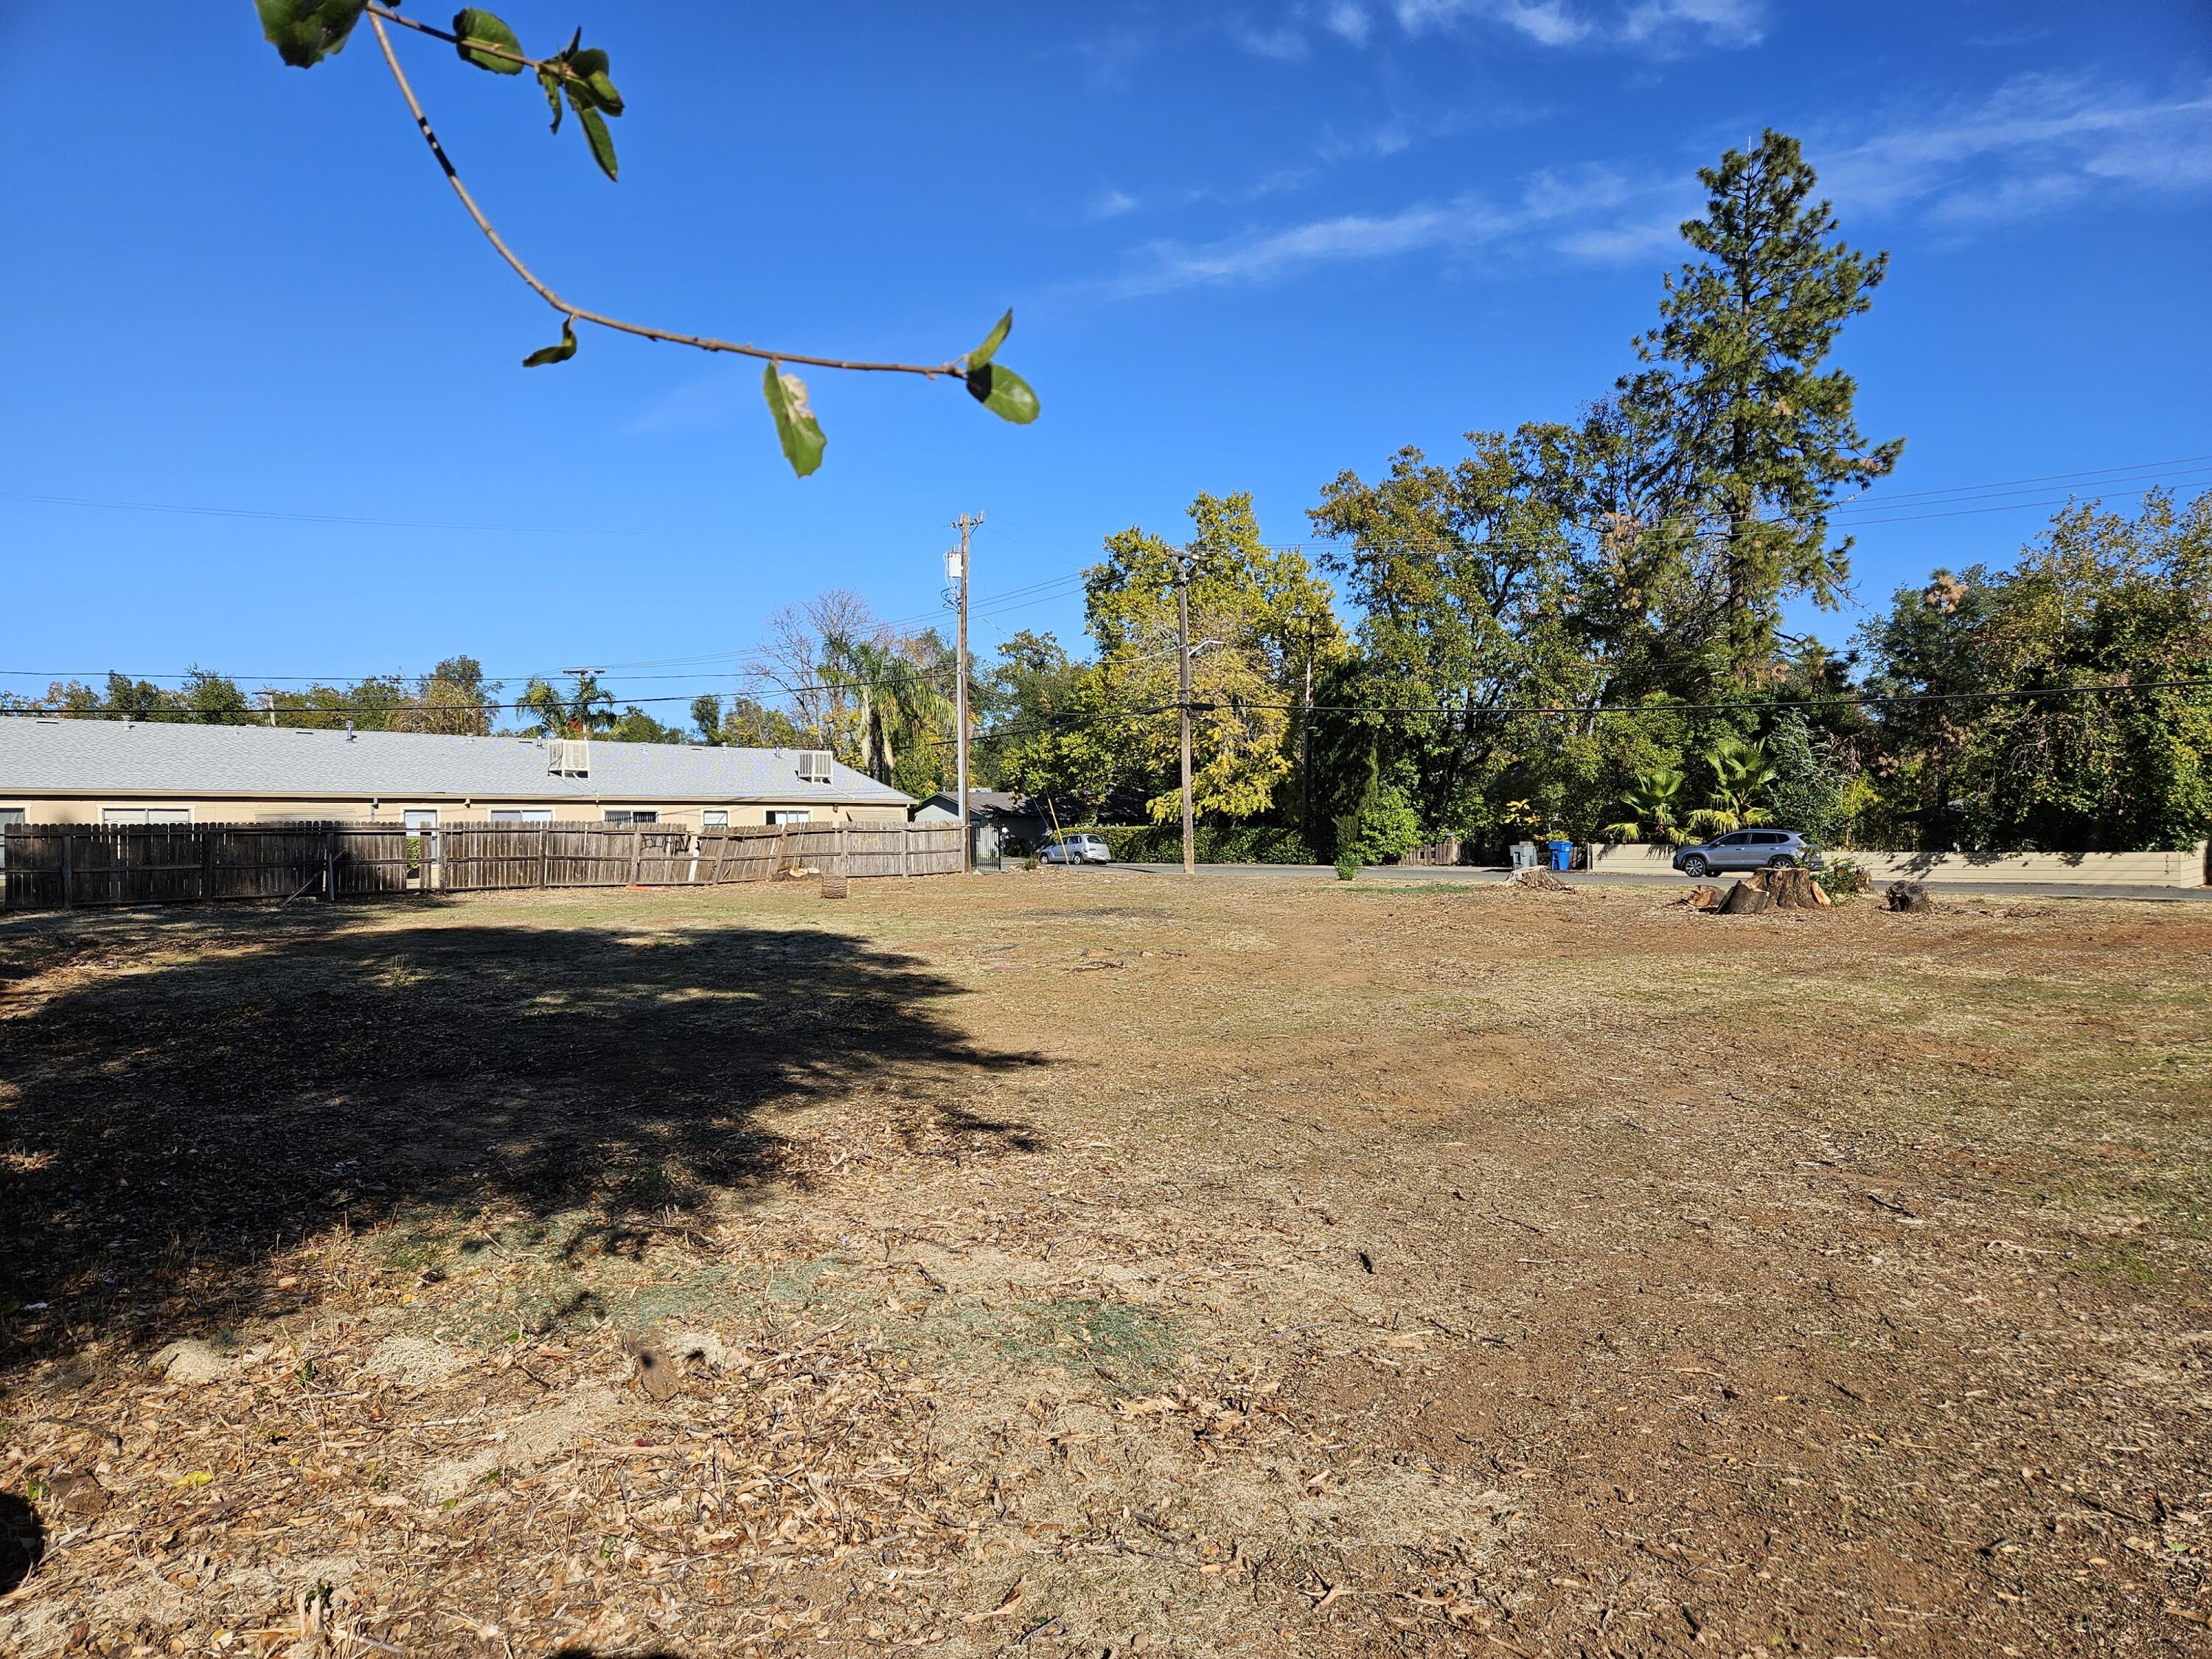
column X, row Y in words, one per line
column 569, row 757
column 814, row 765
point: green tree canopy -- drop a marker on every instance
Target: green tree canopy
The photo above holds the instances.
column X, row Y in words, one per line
column 1752, row 435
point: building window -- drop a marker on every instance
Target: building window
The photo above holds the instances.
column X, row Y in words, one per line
column 145, row 815
column 715, row 818
column 789, row 815
column 523, row 815
column 648, row 815
column 10, row 814
column 418, row 820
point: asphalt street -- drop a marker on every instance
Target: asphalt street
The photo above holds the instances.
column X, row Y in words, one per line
column 1458, row 874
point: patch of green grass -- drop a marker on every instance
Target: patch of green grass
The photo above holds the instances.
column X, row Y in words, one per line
column 2131, row 1262
column 1130, row 1342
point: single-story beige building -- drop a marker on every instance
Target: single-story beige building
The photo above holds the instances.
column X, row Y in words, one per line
column 73, row 769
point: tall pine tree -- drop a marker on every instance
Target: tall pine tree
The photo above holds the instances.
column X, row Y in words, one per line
column 1759, row 440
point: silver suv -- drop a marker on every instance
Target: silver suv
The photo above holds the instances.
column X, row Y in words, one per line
column 1075, row 849
column 1748, row 849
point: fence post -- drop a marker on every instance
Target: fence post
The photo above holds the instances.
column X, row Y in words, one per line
column 906, row 850
column 721, row 851
column 844, row 841
column 68, row 874
column 207, row 862
column 636, row 854
column 329, row 866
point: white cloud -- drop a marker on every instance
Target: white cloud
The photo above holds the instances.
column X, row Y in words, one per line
column 2035, row 145
column 1554, row 208
column 1349, row 20
column 1283, row 42
column 1109, row 204
column 1660, row 28
column 1724, row 23
column 1660, row 23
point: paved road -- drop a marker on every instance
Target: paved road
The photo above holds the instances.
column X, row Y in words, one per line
column 1458, row 874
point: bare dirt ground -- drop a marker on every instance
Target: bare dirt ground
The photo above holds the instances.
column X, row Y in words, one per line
column 1078, row 1263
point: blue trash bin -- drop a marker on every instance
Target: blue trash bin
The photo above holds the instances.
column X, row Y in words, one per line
column 1563, row 853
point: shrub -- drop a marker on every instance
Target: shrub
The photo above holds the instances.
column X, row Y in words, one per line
column 1843, row 878
column 1346, row 866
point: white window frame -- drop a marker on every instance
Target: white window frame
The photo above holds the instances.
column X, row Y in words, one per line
column 630, row 815
column 131, row 816
column 790, row 815
column 522, row 815
column 715, row 818
column 416, row 819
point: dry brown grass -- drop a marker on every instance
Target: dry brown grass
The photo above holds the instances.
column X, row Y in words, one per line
column 1069, row 1262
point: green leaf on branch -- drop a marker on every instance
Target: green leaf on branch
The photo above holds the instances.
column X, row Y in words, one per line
column 549, row 82
column 997, row 338
column 555, row 354
column 305, row 32
column 796, row 429
column 602, row 142
column 589, row 67
column 478, row 27
column 1003, row 393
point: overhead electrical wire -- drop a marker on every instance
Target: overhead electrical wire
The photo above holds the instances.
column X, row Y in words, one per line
column 1942, row 502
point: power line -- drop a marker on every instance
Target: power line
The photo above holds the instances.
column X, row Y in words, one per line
column 322, row 518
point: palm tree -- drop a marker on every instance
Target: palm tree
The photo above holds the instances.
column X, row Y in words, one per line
column 586, row 710
column 1742, row 775
column 1653, row 800
column 894, row 702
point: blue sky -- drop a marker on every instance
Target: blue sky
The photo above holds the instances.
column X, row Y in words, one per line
column 1248, row 247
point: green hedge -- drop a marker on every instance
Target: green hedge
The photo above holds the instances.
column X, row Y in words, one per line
column 1162, row 843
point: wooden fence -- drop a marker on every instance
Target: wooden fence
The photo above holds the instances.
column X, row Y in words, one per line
column 48, row 866
column 1445, row 852
column 55, row 866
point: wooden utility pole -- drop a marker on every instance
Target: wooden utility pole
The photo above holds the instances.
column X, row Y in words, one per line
column 1183, row 707
column 957, row 568
column 1305, row 743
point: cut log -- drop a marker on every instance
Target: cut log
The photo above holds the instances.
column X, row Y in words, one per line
column 1746, row 898
column 1704, row 898
column 833, row 887
column 1911, row 895
column 1541, row 880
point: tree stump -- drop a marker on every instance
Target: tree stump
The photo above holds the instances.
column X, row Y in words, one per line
column 1794, row 889
column 1746, row 898
column 833, row 887
column 1911, row 896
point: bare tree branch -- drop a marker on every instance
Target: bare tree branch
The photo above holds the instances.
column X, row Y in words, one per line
column 377, row 17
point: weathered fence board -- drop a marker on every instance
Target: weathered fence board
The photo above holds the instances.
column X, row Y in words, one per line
column 62, row 867
column 58, row 866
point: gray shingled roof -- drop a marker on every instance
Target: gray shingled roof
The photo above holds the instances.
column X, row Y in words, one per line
column 76, row 756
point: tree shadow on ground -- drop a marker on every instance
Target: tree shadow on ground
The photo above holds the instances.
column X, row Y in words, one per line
column 248, row 1082
column 22, row 1541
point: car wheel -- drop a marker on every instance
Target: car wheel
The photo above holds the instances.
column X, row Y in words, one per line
column 1781, row 861
column 1693, row 865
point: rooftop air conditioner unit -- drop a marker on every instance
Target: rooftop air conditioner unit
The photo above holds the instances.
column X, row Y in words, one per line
column 814, row 765
column 569, row 757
